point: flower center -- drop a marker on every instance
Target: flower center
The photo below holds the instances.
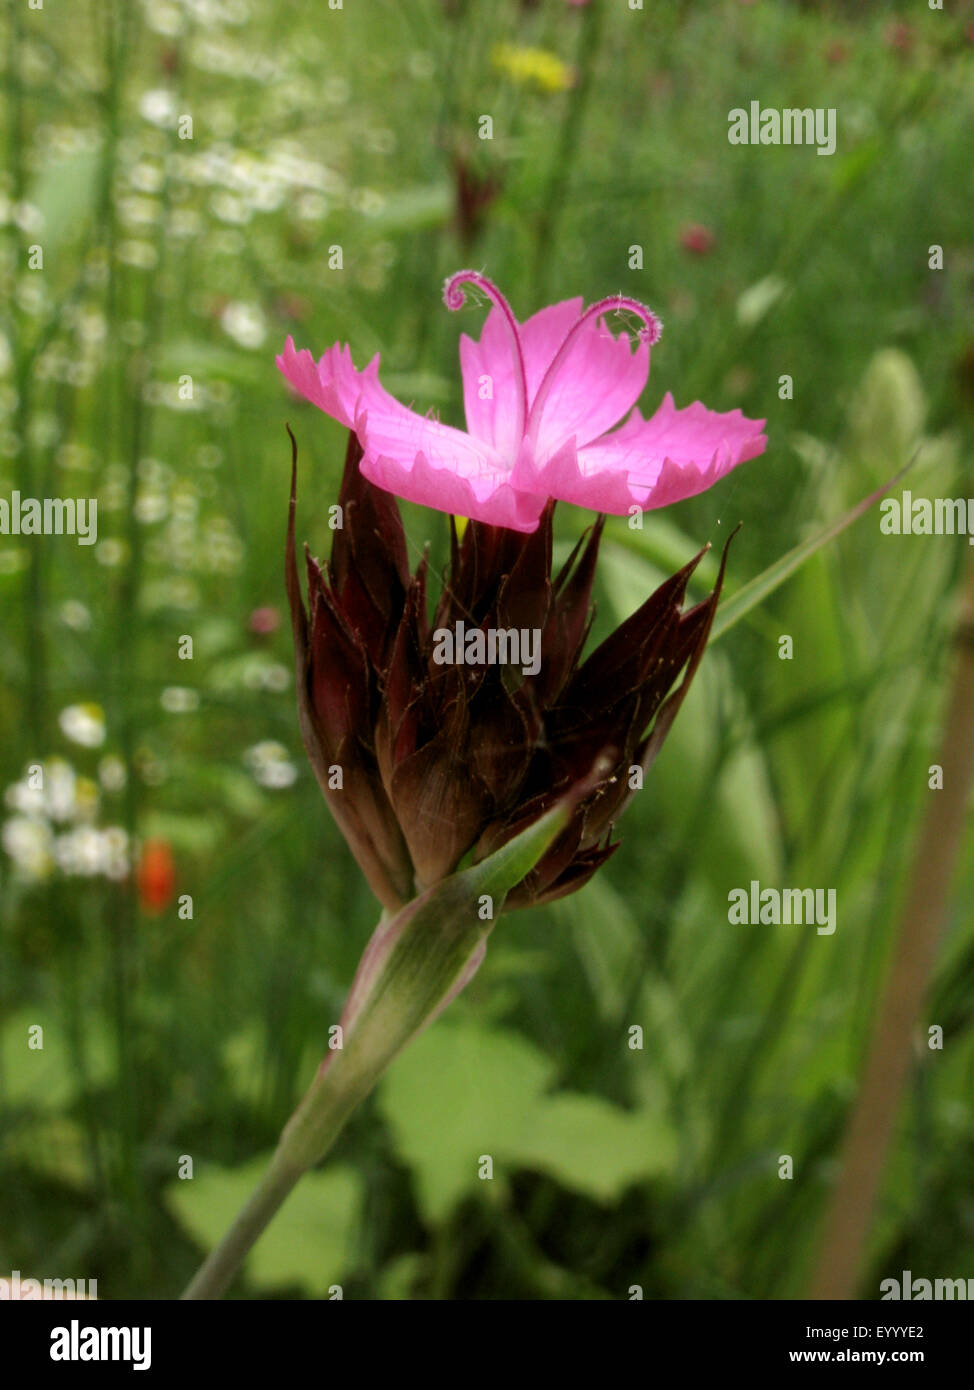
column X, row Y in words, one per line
column 453, row 298
column 650, row 332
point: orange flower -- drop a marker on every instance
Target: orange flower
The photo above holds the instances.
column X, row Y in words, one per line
column 156, row 876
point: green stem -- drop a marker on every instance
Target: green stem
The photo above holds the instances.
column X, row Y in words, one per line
column 308, row 1135
column 426, row 957
column 415, row 963
column 215, row 1274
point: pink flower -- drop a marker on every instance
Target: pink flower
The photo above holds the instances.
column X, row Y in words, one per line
column 264, row 620
column 540, row 400
column 696, row 239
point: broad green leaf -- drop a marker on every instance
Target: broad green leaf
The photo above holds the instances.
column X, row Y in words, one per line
column 595, row 1148
column 46, row 1078
column 462, row 1093
column 55, row 1147
column 310, row 1242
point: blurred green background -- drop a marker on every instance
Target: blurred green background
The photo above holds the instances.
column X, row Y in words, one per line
column 173, row 252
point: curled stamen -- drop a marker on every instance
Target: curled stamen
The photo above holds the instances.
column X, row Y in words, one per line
column 453, row 298
column 652, row 329
column 650, row 333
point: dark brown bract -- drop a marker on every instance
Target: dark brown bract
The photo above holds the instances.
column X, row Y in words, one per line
column 426, row 764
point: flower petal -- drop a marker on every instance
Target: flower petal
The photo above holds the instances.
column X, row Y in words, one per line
column 543, row 334
column 333, row 384
column 489, row 366
column 437, row 466
column 602, row 488
column 594, row 386
column 672, row 455
column 412, row 455
column 490, row 386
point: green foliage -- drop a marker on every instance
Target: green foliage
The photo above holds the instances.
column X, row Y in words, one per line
column 311, row 1244
column 45, row 1077
column 462, row 1092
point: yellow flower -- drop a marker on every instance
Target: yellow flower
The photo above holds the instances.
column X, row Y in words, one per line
column 533, row 65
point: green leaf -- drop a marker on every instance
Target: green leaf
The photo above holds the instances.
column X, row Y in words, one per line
column 463, row 1092
column 310, row 1242
column 459, row 1092
column 45, row 1078
column 54, row 1147
column 501, row 871
column 594, row 1147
